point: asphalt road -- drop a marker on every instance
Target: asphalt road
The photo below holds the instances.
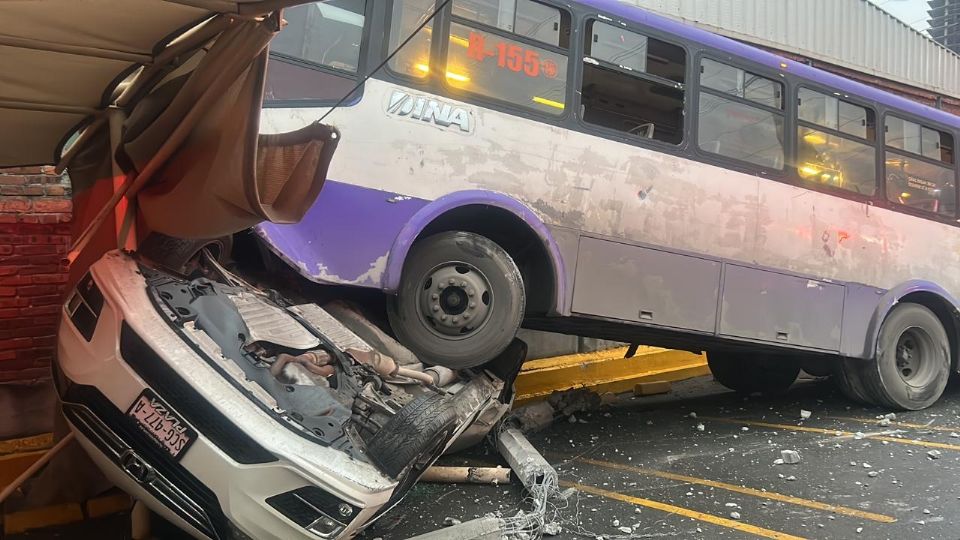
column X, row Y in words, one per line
column 645, row 465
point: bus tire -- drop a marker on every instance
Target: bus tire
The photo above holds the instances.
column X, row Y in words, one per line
column 747, row 373
column 181, row 254
column 460, row 301
column 912, row 364
column 849, row 380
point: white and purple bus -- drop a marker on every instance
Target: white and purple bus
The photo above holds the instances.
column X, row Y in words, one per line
column 595, row 169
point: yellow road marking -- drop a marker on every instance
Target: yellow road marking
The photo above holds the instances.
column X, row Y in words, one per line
column 836, row 432
column 893, row 423
column 852, row 512
column 686, row 512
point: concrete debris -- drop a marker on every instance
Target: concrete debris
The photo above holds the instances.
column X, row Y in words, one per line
column 885, row 422
column 485, row 528
column 651, row 388
column 859, row 530
column 873, row 474
column 701, row 427
column 790, row 456
column 574, row 401
column 791, row 478
column 890, row 416
column 732, row 505
column 534, row 417
column 778, row 461
column 572, row 419
column 466, row 475
column 926, row 510
column 934, row 454
column 449, row 521
column 735, row 515
column 692, row 415
column 804, row 414
column 867, row 465
column 616, row 523
column 858, row 435
column 552, row 529
column 625, row 530
column 954, row 434
column 744, row 428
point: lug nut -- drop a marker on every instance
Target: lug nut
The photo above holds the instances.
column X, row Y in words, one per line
column 434, row 296
column 443, row 317
column 473, row 305
column 435, row 308
column 452, row 281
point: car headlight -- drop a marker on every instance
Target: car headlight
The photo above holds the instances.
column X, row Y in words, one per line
column 315, row 510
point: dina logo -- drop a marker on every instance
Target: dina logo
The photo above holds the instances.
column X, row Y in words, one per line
column 429, row 110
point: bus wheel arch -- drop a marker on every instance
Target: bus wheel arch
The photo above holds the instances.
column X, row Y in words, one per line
column 507, row 224
column 929, row 296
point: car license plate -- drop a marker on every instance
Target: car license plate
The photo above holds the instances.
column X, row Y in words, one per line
column 160, row 422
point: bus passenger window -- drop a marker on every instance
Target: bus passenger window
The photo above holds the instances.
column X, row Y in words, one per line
column 919, row 167
column 740, row 115
column 834, row 143
column 633, row 83
column 413, row 59
column 521, row 69
column 316, row 55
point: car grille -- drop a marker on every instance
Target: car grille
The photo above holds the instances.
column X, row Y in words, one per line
column 118, row 438
column 188, row 402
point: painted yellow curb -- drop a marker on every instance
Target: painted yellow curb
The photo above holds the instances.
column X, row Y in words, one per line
column 606, row 371
column 62, row 514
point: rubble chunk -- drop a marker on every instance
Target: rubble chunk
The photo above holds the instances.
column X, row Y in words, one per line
column 735, row 515
column 790, row 456
column 804, row 414
column 451, row 521
column 934, row 454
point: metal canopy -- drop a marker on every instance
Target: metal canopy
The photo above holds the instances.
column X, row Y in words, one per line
column 61, row 61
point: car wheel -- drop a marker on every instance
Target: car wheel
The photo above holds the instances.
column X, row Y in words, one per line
column 748, row 373
column 181, row 254
column 460, row 302
column 414, row 437
column 912, row 364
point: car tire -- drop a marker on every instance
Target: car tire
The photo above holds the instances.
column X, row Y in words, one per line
column 460, row 302
column 912, row 364
column 414, row 437
column 180, row 254
column 749, row 373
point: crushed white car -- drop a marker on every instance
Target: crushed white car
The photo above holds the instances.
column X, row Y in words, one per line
column 235, row 414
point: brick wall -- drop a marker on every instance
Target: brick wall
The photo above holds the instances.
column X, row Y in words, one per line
column 35, row 212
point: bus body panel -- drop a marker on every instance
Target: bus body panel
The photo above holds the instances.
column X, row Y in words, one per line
column 732, row 256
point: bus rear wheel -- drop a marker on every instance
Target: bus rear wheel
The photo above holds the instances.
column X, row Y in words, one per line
column 460, row 302
column 750, row 373
column 912, row 364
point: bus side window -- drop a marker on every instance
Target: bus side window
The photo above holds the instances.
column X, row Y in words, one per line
column 740, row 115
column 413, row 60
column 633, row 83
column 835, row 143
column 316, row 55
column 919, row 167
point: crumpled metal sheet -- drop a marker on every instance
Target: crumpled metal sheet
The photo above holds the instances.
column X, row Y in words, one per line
column 330, row 327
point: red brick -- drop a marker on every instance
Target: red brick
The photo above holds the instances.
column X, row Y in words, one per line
column 35, row 353
column 39, row 249
column 39, row 310
column 15, row 280
column 13, row 302
column 16, row 343
column 50, row 278
column 35, row 290
column 14, row 204
column 42, row 269
column 34, row 331
column 56, row 191
column 11, row 191
column 53, row 205
column 9, row 313
column 26, row 374
column 8, row 218
column 6, row 249
column 12, row 180
column 51, row 218
column 7, row 355
column 8, row 291
column 45, row 300
column 33, row 191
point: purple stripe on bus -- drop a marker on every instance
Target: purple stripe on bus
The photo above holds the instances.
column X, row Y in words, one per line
column 360, row 236
column 733, row 47
column 345, row 236
column 467, row 198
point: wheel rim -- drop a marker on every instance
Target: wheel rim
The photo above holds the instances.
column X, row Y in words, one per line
column 913, row 357
column 455, row 299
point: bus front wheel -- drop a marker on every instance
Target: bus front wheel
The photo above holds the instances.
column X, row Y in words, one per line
column 749, row 373
column 460, row 301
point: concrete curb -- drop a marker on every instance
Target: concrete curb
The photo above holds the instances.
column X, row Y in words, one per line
column 606, row 371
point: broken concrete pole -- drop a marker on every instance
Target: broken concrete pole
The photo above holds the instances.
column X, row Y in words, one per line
column 790, row 456
column 535, row 416
column 529, row 466
column 485, row 528
column 466, row 475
